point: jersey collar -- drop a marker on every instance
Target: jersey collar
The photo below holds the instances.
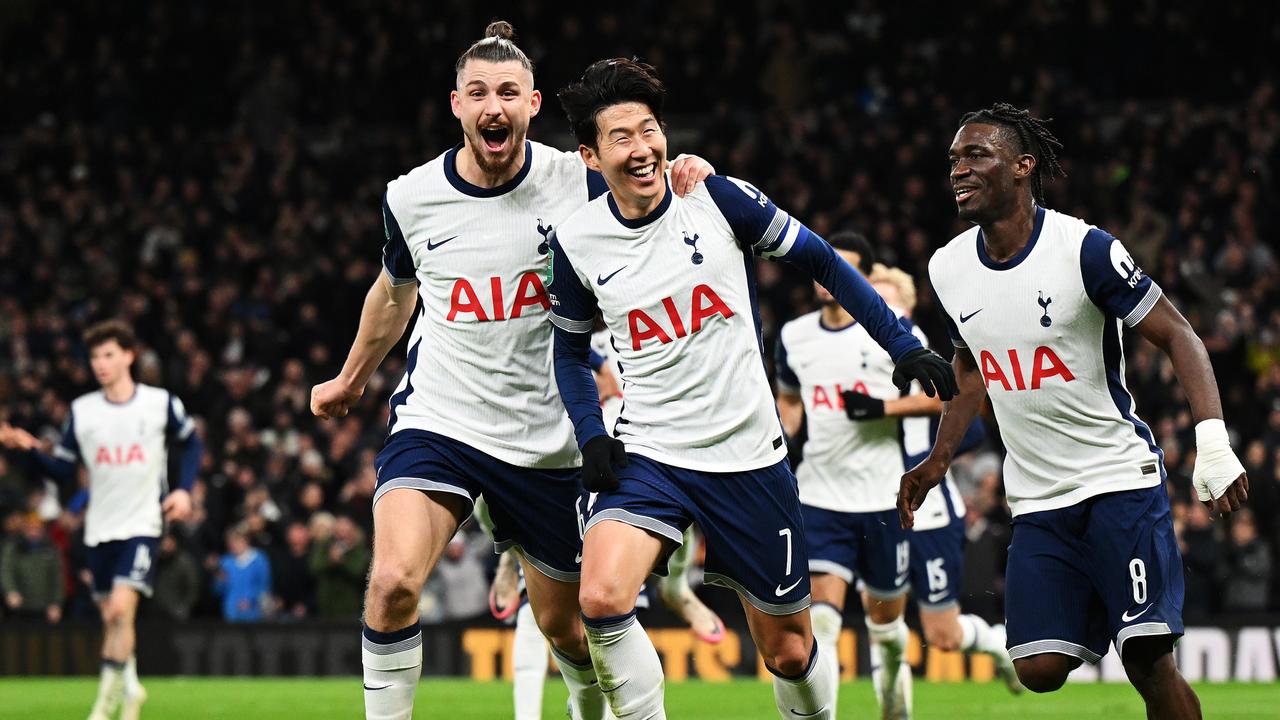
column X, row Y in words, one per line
column 1016, row 259
column 641, row 221
column 466, row 188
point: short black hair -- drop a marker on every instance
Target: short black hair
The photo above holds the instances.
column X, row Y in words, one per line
column 1032, row 137
column 606, row 83
column 108, row 330
column 497, row 45
column 851, row 241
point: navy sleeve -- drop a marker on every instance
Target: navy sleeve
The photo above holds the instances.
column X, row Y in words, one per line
column 596, row 360
column 183, row 430
column 596, row 185
column 577, row 386
column 771, row 233
column 395, row 252
column 786, row 377
column 573, row 312
column 573, row 306
column 61, row 465
column 952, row 330
column 1113, row 281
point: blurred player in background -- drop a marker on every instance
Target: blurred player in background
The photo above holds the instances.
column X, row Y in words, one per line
column 831, row 371
column 123, row 435
column 476, row 412
column 938, row 538
column 1035, row 302
column 698, row 440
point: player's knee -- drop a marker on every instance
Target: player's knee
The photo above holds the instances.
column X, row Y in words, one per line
column 601, row 600
column 1044, row 673
column 562, row 629
column 788, row 656
column 943, row 638
column 393, row 586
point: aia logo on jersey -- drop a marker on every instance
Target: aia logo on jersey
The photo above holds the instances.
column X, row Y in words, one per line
column 119, row 455
column 834, row 399
column 704, row 303
column 466, row 301
column 1044, row 364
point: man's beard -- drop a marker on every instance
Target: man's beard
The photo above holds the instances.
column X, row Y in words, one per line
column 490, row 164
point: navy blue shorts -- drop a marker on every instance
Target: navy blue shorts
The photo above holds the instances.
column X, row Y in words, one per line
column 126, row 562
column 537, row 511
column 750, row 522
column 1106, row 569
column 871, row 547
column 937, row 565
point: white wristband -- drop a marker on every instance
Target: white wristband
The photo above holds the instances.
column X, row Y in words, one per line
column 1217, row 466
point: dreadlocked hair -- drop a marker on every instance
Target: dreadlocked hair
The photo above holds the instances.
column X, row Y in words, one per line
column 1033, row 138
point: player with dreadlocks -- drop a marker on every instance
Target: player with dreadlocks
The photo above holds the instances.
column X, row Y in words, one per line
column 1035, row 302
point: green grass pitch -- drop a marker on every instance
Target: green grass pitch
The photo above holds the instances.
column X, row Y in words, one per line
column 455, row 699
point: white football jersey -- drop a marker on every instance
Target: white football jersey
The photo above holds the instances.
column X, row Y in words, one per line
column 677, row 292
column 479, row 361
column 1045, row 331
column 850, row 466
column 124, row 446
column 601, row 342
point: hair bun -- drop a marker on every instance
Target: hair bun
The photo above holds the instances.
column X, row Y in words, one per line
column 500, row 29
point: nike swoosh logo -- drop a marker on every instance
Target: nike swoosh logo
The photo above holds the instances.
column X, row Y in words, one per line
column 780, row 591
column 433, row 246
column 615, row 687
column 384, row 687
column 577, row 559
column 935, row 597
column 1126, row 617
column 966, row 318
column 601, row 280
column 797, row 713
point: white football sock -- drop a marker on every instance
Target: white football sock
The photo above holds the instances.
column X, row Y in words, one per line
column 978, row 636
column 827, row 622
column 628, row 667
column 677, row 579
column 131, row 684
column 813, row 694
column 110, row 688
column 888, row 661
column 529, row 665
column 392, row 666
column 586, row 701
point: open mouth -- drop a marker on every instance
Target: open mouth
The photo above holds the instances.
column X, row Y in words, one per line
column 644, row 172
column 964, row 193
column 495, row 138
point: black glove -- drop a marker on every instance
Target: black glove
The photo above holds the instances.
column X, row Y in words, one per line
column 862, row 407
column 599, row 456
column 935, row 374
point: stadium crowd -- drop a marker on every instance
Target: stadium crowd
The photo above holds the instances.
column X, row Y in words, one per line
column 211, row 174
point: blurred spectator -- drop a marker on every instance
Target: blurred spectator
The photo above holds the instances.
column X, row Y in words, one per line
column 31, row 578
column 177, row 584
column 243, row 579
column 1248, row 576
column 1201, row 557
column 340, row 562
column 461, row 572
column 295, row 586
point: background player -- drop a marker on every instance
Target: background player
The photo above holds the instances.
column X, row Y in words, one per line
column 938, row 537
column 830, row 371
column 699, row 438
column 122, row 435
column 476, row 411
column 1034, row 301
